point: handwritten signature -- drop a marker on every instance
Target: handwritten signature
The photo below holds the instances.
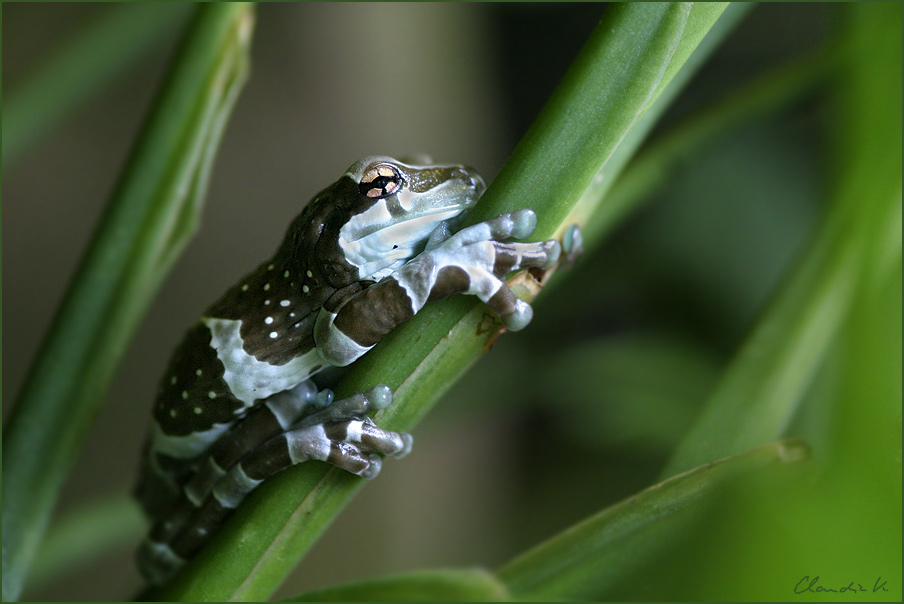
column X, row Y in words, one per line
column 812, row 586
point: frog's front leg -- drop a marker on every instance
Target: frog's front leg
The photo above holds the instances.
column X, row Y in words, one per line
column 472, row 261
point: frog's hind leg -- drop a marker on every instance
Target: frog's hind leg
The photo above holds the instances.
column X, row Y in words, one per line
column 339, row 434
column 156, row 560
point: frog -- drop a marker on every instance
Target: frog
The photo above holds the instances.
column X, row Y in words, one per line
column 239, row 401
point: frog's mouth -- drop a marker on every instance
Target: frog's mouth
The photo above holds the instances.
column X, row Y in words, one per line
column 396, row 242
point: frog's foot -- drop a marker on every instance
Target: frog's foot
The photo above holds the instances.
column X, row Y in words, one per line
column 260, row 445
column 474, row 262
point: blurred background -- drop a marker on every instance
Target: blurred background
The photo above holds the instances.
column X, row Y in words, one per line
column 509, row 457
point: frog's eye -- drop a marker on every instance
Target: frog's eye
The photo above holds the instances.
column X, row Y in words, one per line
column 380, row 181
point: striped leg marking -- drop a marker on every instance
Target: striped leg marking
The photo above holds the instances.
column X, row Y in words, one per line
column 272, row 437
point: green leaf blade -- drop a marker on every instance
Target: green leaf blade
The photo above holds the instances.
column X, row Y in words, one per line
column 469, row 585
column 590, row 560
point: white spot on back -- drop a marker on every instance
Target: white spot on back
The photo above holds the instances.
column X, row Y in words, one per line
column 309, row 274
column 198, row 372
column 286, row 274
column 184, row 395
column 266, row 287
column 211, row 394
column 283, row 302
column 305, row 288
column 268, row 320
column 245, row 287
column 273, row 334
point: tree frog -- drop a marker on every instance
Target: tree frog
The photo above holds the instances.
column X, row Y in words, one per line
column 237, row 403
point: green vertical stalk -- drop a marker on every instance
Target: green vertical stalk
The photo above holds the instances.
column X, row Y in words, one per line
column 151, row 214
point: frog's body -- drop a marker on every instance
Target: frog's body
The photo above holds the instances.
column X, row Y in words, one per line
column 237, row 404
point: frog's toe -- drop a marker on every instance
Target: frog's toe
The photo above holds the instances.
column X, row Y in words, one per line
column 373, row 438
column 572, row 244
column 553, row 251
column 323, row 399
column 523, row 223
column 520, row 317
column 375, row 464
column 378, row 397
column 407, row 443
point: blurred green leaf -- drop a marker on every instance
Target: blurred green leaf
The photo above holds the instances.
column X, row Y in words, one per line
column 627, row 389
column 859, row 239
column 423, row 586
column 84, row 534
column 657, row 163
column 597, row 211
column 632, row 54
column 152, row 213
column 594, row 558
column 80, row 68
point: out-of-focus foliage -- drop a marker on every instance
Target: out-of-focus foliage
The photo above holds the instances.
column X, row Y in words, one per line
column 152, row 214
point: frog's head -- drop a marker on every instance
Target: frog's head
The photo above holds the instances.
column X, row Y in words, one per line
column 389, row 209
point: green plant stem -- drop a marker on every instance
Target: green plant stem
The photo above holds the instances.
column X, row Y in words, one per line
column 635, row 51
column 149, row 218
column 80, row 68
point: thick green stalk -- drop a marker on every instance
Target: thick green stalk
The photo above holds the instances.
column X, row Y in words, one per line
column 625, row 66
column 152, row 213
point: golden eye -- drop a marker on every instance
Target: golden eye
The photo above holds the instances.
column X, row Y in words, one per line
column 380, row 181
